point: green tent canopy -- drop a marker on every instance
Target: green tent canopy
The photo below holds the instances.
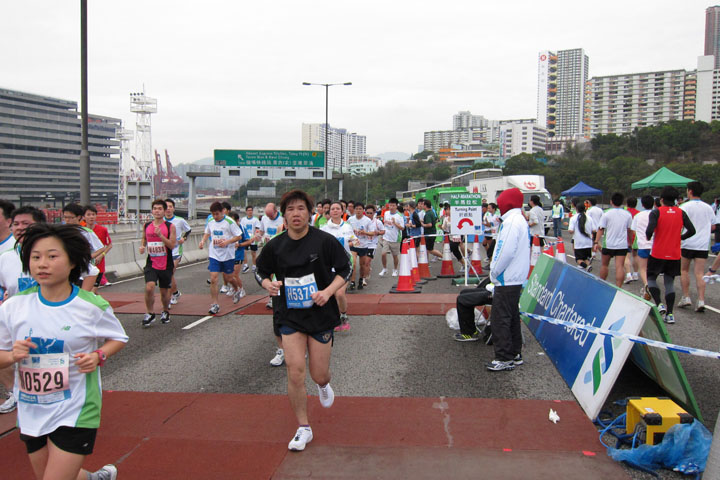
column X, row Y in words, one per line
column 662, row 178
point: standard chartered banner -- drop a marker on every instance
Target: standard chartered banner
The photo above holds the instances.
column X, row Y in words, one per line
column 590, row 363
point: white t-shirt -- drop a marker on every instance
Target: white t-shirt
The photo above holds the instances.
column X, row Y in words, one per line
column 7, row 244
column 639, row 226
column 270, row 228
column 595, row 213
column 225, row 229
column 580, row 240
column 376, row 225
column 93, row 240
column 249, row 225
column 343, row 232
column 702, row 218
column 181, row 226
column 391, row 227
column 361, row 224
column 494, row 220
column 53, row 392
column 537, row 216
column 616, row 223
column 12, row 278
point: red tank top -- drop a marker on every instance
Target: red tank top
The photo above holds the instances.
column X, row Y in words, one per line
column 158, row 254
column 666, row 238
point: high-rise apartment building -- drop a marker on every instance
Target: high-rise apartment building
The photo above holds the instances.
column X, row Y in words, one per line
column 468, row 120
column 712, row 33
column 708, row 90
column 40, row 150
column 561, row 92
column 341, row 144
column 467, row 129
column 620, row 103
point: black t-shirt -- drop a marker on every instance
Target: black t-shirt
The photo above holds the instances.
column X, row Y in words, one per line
column 317, row 253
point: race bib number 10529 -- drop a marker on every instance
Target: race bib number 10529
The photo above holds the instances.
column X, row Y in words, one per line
column 44, row 378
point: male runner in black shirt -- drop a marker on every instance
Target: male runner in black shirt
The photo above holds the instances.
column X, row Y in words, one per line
column 309, row 266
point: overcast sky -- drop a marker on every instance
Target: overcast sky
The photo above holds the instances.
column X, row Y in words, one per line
column 228, row 74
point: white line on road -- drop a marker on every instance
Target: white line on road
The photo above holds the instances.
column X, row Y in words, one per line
column 198, row 322
column 712, row 309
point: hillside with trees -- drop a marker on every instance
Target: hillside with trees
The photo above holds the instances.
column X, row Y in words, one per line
column 608, row 162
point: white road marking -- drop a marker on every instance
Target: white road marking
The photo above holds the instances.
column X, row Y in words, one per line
column 712, row 309
column 198, row 322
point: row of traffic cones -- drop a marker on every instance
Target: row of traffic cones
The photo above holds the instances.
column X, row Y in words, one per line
column 556, row 250
column 415, row 268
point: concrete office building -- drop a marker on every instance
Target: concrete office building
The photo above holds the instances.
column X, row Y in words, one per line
column 708, row 90
column 521, row 136
column 561, row 92
column 620, row 103
column 341, row 144
column 40, row 150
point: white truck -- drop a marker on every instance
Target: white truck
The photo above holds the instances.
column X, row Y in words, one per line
column 529, row 185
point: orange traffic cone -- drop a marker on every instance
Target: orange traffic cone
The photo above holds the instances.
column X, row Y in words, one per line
column 475, row 262
column 414, row 263
column 534, row 253
column 405, row 284
column 447, row 270
column 560, row 254
column 549, row 250
column 423, row 264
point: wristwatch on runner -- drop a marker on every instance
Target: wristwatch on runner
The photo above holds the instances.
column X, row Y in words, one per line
column 101, row 357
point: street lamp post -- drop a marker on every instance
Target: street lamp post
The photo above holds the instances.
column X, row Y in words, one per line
column 327, row 125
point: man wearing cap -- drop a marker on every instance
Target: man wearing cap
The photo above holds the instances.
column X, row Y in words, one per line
column 508, row 271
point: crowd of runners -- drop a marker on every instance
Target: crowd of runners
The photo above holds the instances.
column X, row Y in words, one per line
column 55, row 332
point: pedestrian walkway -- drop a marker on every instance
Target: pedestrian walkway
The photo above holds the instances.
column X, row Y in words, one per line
column 228, row 436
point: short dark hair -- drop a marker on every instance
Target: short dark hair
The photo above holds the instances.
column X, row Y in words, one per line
column 696, row 188
column 394, row 200
column 74, row 244
column 235, row 216
column 159, row 201
column 370, row 206
column 593, row 201
column 359, row 204
column 216, row 207
column 326, row 201
column 89, row 208
column 37, row 215
column 669, row 194
column 616, row 199
column 170, row 200
column 250, row 206
column 647, row 201
column 536, row 200
column 75, row 209
column 657, row 203
column 293, row 195
column 7, row 208
column 631, row 202
column 227, row 206
column 428, row 203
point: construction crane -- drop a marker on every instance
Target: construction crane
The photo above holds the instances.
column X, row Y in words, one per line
column 167, row 182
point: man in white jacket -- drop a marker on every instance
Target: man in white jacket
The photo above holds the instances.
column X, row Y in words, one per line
column 508, row 271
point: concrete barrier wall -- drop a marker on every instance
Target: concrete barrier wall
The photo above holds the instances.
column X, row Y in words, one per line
column 124, row 260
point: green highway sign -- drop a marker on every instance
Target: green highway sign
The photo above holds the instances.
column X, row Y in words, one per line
column 465, row 199
column 270, row 158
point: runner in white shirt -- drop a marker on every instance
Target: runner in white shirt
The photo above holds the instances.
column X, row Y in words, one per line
column 639, row 226
column 271, row 223
column 581, row 227
column 182, row 231
column 594, row 211
column 14, row 280
column 696, row 247
column 374, row 232
column 615, row 225
column 58, row 335
column 250, row 224
column 223, row 233
column 360, row 224
column 343, row 231
column 73, row 215
column 7, row 241
column 394, row 222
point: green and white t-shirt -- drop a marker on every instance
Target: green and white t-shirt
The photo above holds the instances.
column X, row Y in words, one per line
column 51, row 392
column 181, row 226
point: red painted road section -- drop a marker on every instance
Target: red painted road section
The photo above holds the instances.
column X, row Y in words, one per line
column 370, row 304
column 224, row 436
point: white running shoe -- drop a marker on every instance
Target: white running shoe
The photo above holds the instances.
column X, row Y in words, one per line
column 174, row 298
column 214, row 308
column 700, row 306
column 108, row 472
column 269, row 304
column 635, row 276
column 230, row 292
column 223, row 289
column 302, row 437
column 245, row 268
column 395, row 273
column 628, row 278
column 383, row 272
column 684, row 302
column 279, row 358
column 9, row 405
column 254, row 268
column 327, row 396
column 238, row 295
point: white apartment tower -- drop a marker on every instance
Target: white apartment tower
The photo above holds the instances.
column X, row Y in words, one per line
column 561, row 92
column 521, row 136
column 341, row 144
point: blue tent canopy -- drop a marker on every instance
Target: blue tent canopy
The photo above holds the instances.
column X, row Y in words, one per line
column 582, row 190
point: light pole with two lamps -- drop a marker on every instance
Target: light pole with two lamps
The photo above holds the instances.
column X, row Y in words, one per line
column 327, row 125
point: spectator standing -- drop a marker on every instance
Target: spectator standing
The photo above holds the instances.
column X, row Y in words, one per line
column 558, row 212
column 615, row 225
